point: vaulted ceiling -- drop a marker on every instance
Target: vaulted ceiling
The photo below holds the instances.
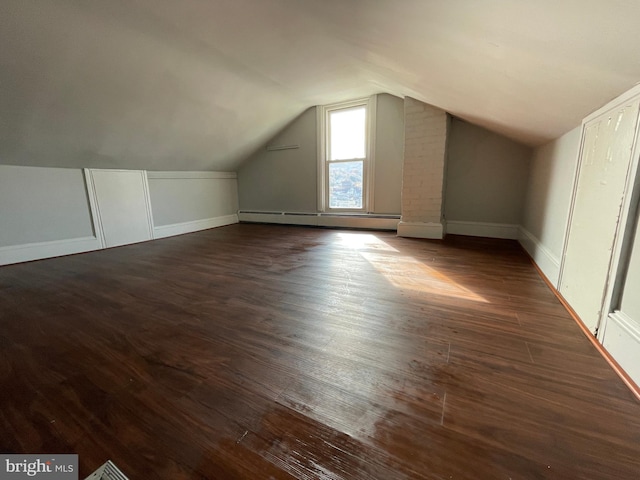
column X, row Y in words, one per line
column 199, row 84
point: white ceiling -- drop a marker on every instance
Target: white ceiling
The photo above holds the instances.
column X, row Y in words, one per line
column 199, row 84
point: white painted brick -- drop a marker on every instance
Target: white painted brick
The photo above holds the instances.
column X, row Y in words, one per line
column 424, row 157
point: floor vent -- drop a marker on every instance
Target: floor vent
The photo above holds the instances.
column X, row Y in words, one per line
column 108, row 471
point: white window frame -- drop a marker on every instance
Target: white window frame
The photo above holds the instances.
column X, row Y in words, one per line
column 368, row 170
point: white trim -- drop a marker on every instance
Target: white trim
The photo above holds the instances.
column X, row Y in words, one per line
column 483, row 229
column 628, row 324
column 322, row 119
column 431, row 230
column 96, row 220
column 164, row 231
column 372, row 222
column 321, row 150
column 625, row 229
column 95, row 204
column 190, row 175
column 620, row 336
column 56, row 248
column 574, row 189
column 371, row 164
column 623, row 232
column 544, row 258
column 147, row 197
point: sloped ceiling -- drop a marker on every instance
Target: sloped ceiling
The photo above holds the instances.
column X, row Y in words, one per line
column 199, row 84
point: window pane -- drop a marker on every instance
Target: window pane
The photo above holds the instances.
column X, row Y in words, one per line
column 347, row 129
column 345, row 184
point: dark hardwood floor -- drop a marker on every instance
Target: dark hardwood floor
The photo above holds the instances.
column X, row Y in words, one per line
column 255, row 351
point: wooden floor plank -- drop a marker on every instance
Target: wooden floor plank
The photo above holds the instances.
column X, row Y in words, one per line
column 255, row 351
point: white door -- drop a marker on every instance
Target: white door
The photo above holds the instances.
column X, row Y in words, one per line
column 122, row 206
column 597, row 205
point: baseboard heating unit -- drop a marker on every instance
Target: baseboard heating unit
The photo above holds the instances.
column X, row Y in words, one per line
column 344, row 220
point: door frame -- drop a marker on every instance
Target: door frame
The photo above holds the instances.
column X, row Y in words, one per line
column 624, row 229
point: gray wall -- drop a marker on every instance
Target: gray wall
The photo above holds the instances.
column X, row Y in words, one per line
column 286, row 180
column 486, row 176
column 283, row 180
column 548, row 200
column 179, row 200
column 114, row 85
column 549, row 191
column 389, row 154
column 42, row 205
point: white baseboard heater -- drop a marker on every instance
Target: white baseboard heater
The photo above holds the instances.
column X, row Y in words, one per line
column 345, row 220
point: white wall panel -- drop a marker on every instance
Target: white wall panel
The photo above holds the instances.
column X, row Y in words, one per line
column 42, row 205
column 598, row 199
column 630, row 304
column 622, row 341
column 179, row 197
column 122, row 203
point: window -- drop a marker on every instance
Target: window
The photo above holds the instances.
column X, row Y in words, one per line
column 345, row 163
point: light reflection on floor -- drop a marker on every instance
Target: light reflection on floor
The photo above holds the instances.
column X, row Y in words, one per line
column 363, row 241
column 352, row 364
column 405, row 272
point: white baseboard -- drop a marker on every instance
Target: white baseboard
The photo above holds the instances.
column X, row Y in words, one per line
column 483, row 229
column 421, row 230
column 322, row 220
column 56, row 248
column 163, row 231
column 544, row 258
column 622, row 340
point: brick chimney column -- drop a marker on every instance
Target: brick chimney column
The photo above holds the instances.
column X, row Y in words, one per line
column 425, row 141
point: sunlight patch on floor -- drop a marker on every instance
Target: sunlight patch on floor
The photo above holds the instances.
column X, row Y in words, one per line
column 359, row 241
column 407, row 272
